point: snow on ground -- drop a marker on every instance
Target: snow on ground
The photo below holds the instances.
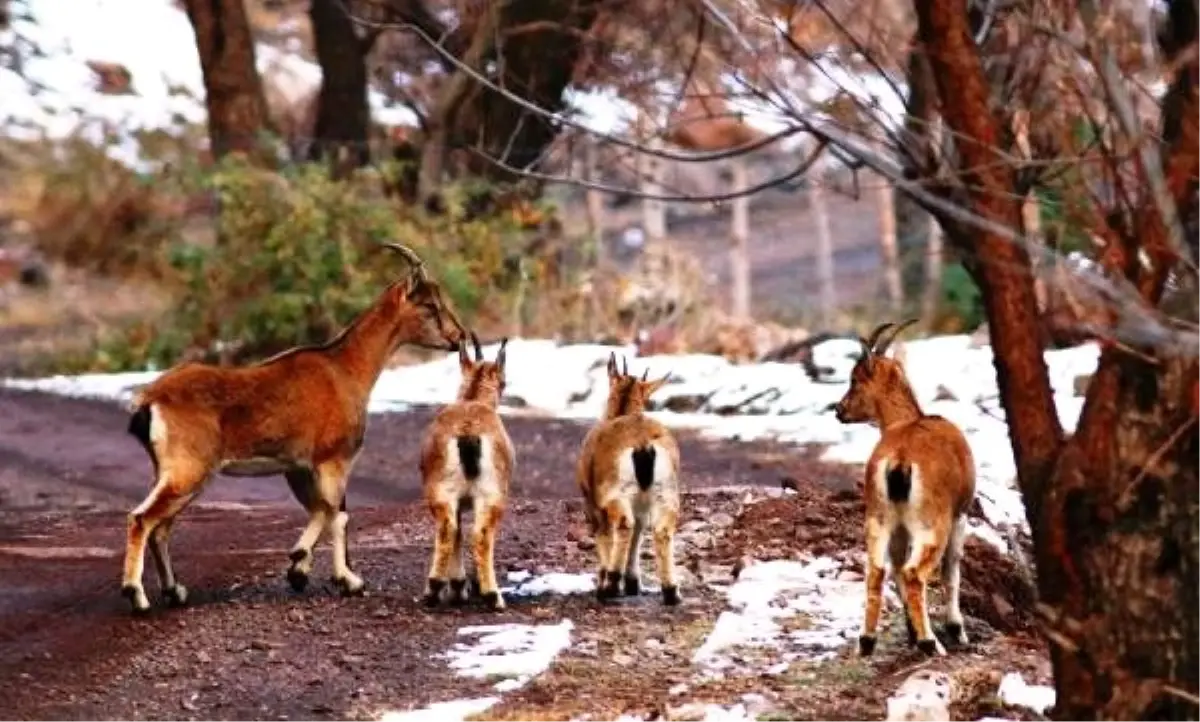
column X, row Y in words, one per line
column 1014, row 690
column 525, row 584
column 821, row 610
column 510, row 654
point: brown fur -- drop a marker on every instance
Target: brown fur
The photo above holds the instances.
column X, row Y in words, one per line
column 448, row 484
column 301, row 413
column 919, row 481
column 620, row 508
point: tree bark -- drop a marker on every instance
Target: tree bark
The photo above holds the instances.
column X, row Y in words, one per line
column 343, row 115
column 237, row 109
column 1001, row 269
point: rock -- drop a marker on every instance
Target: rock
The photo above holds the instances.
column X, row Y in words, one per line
column 924, row 695
column 1081, row 384
column 720, row 520
column 111, row 78
column 789, row 483
column 514, row 402
column 689, row 711
column 847, row 575
column 203, row 657
column 685, row 403
column 622, row 659
column 944, row 394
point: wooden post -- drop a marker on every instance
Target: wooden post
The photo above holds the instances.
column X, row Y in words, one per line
column 826, row 294
column 739, row 252
column 885, row 197
column 595, row 203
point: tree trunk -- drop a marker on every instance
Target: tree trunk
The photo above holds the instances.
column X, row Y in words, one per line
column 886, row 198
column 237, row 109
column 1116, row 546
column 343, row 116
column 1000, row 268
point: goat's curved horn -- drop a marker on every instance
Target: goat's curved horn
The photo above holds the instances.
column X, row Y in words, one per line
column 624, row 366
column 871, row 341
column 645, row 373
column 478, row 349
column 409, row 255
column 885, row 341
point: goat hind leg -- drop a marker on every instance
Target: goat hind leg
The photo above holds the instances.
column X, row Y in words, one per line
column 664, row 552
column 173, row 592
column 620, row 523
column 877, row 535
column 633, row 562
column 164, row 502
column 922, row 562
column 445, row 521
column 487, row 523
column 459, row 592
column 898, row 555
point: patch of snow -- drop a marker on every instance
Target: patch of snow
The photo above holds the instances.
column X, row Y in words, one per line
column 766, row 593
column 1037, row 697
column 525, row 584
column 454, row 711
column 517, row 652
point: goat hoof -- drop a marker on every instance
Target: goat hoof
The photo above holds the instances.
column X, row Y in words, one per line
column 458, row 591
column 930, row 647
column 670, row 596
column 176, row 596
column 911, row 631
column 138, row 602
column 298, row 578
column 611, row 588
column 298, row 555
column 956, row 633
column 433, row 592
column 633, row 586
column 866, row 645
column 493, row 601
column 351, row 586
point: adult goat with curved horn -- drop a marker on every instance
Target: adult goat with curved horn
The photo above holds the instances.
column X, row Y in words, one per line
column 887, row 338
column 418, row 266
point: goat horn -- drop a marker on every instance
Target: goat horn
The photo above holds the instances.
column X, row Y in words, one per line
column 645, row 374
column 870, row 341
column 478, row 350
column 624, row 366
column 885, row 341
column 410, row 256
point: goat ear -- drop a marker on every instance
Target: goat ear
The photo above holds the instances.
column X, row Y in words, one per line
column 464, row 360
column 612, row 365
column 502, row 354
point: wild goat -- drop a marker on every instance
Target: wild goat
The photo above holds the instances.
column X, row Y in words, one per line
column 301, row 413
column 919, row 481
column 466, row 464
column 628, row 473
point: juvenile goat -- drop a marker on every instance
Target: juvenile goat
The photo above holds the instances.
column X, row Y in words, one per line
column 301, row 413
column 466, row 464
column 628, row 473
column 919, row 481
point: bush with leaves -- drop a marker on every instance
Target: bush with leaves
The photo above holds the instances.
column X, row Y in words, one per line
column 297, row 255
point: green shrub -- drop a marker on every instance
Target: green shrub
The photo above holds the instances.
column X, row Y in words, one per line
column 296, row 257
column 961, row 297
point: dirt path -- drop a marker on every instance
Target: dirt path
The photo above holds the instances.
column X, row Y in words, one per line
column 247, row 646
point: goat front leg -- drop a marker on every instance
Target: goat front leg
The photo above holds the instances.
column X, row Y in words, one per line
column 620, row 524
column 633, row 564
column 487, row 522
column 445, row 522
column 922, row 562
column 877, row 535
column 344, row 577
column 952, row 578
column 303, row 483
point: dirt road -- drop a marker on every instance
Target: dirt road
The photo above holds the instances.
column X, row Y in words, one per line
column 247, row 646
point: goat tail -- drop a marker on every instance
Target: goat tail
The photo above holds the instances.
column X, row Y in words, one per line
column 140, row 420
column 470, row 454
column 899, row 481
column 643, row 465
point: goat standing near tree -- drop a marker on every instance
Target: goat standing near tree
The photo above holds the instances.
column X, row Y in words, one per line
column 919, row 482
column 301, row 413
column 467, row 462
column 628, row 473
